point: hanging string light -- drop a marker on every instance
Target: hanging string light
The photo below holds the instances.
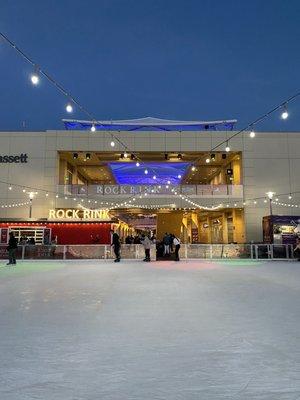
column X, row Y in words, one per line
column 34, row 77
column 284, row 114
column 69, row 108
column 252, row 134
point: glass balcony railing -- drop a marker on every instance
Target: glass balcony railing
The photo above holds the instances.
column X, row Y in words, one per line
column 205, row 191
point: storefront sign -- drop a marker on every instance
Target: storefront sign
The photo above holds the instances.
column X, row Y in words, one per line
column 77, row 214
column 16, row 159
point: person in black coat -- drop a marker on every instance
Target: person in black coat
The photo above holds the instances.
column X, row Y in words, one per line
column 12, row 249
column 115, row 242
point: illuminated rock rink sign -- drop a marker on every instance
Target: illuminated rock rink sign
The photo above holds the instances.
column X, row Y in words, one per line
column 78, row 214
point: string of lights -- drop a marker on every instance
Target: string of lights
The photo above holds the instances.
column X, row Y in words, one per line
column 38, row 71
column 33, row 192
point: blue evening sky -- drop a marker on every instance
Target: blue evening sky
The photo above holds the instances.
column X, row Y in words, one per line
column 178, row 59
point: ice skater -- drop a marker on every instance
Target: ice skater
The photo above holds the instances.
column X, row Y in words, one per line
column 12, row 249
column 115, row 243
column 176, row 242
column 146, row 242
column 297, row 249
column 166, row 242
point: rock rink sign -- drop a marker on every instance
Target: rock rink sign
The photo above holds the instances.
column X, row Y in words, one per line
column 78, row 214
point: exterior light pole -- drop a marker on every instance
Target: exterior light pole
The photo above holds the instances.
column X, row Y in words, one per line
column 31, row 196
column 270, row 196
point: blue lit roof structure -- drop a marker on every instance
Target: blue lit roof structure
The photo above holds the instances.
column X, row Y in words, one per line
column 126, row 173
column 150, row 124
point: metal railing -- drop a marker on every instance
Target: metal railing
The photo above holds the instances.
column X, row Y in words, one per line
column 209, row 190
column 136, row 252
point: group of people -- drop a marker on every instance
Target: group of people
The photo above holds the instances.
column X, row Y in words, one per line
column 137, row 239
column 171, row 243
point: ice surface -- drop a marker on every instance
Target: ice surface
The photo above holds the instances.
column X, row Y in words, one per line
column 190, row 330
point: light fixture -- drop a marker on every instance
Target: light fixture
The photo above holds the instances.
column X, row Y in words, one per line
column 179, row 176
column 93, row 128
column 179, row 156
column 88, row 156
column 227, row 148
column 193, row 168
column 146, row 171
column 213, row 157
column 252, row 133
column 9, row 188
column 56, row 196
column 290, row 196
column 137, row 164
column 255, row 202
column 35, row 78
column 284, row 114
column 75, row 156
column 112, row 143
column 169, row 182
column 125, row 155
column 166, row 156
column 207, row 160
column 69, row 108
column 270, row 195
column 154, row 177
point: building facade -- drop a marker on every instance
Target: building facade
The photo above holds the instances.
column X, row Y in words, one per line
column 75, row 175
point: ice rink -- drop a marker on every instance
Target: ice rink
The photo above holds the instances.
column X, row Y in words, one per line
column 191, row 330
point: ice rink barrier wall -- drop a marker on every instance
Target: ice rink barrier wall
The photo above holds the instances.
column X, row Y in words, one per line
column 136, row 252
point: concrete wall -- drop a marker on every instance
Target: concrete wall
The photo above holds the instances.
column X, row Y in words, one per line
column 265, row 164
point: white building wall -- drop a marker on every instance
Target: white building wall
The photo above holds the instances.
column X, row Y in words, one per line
column 265, row 164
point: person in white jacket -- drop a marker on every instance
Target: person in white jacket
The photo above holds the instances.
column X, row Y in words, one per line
column 176, row 242
column 146, row 242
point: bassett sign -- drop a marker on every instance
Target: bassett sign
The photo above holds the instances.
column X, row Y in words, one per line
column 16, row 159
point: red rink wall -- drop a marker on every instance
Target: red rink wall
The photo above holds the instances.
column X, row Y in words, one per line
column 70, row 232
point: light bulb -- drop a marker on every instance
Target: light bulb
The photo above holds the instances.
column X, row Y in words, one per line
column 93, row 128
column 169, row 182
column 146, row 171
column 137, row 164
column 290, row 196
column 69, row 108
column 112, row 143
column 35, row 79
column 193, row 168
column 252, row 134
column 154, row 177
column 207, row 160
column 284, row 114
column 179, row 176
column 125, row 155
column 227, row 148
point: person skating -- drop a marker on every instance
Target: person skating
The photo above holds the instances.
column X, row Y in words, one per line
column 12, row 249
column 146, row 242
column 115, row 242
column 176, row 242
column 166, row 242
column 297, row 249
